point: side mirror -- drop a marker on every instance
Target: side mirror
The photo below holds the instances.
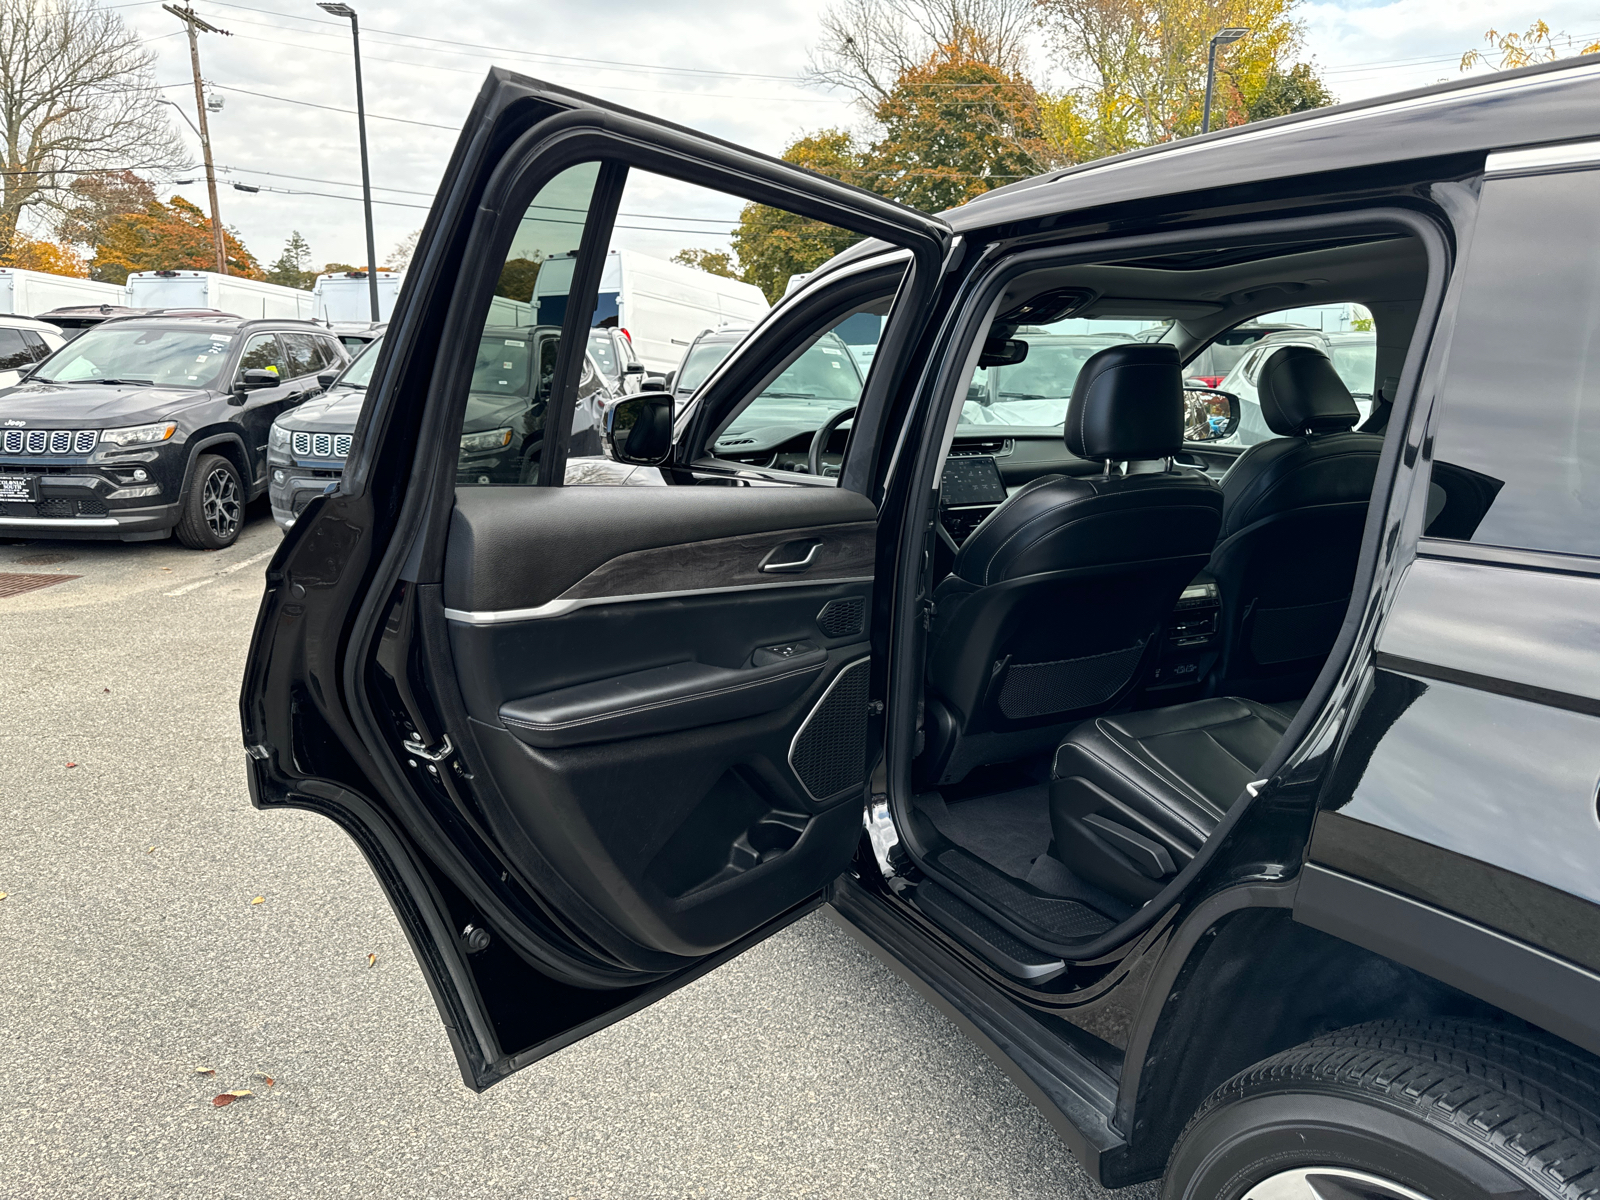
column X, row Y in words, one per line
column 1209, row 414
column 669, row 379
column 255, row 379
column 638, row 429
column 653, row 385
column 325, row 380
column 633, row 368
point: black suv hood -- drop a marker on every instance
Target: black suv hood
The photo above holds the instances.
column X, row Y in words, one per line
column 92, row 405
column 332, row 412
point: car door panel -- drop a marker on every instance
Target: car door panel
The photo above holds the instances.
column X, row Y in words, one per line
column 696, row 731
column 639, row 709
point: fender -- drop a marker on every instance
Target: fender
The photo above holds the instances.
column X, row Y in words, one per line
column 199, row 445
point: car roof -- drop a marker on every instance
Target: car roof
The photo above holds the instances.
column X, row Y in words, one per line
column 18, row 321
column 1537, row 105
column 223, row 322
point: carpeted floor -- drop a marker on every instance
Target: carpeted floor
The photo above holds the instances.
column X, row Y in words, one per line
column 1009, row 830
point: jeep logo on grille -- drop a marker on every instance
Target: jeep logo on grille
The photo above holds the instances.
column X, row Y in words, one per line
column 13, row 423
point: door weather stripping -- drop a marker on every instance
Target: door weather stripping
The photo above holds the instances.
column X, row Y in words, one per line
column 1560, row 157
column 561, row 606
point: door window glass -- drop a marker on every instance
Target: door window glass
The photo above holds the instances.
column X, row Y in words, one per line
column 262, row 353
column 1517, row 442
column 305, row 357
column 14, row 352
column 515, row 359
column 332, row 357
column 34, row 342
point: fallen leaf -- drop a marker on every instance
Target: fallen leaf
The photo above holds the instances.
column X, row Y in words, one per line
column 107, row 691
column 72, row 764
column 152, row 850
column 205, row 1070
column 228, row 1098
column 259, row 900
column 372, row 960
column 3, row 895
column 266, row 1079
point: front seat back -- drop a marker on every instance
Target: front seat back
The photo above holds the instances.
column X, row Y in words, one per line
column 1293, row 515
column 1054, row 601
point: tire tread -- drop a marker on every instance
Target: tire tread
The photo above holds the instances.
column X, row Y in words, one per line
column 1527, row 1099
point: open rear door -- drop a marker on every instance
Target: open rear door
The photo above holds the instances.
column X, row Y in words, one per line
column 593, row 740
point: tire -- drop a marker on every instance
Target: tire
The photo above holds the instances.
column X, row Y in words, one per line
column 211, row 513
column 1443, row 1109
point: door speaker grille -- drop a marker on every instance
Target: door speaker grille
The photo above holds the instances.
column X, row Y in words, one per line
column 842, row 617
column 829, row 754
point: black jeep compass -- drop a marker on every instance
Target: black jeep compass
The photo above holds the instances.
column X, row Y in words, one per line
column 141, row 428
column 1239, row 801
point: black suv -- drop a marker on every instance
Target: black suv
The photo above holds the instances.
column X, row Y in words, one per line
column 140, row 428
column 1241, row 802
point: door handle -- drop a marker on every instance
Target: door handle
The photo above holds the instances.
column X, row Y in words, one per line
column 792, row 565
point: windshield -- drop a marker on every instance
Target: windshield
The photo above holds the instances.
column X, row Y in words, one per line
column 824, row 372
column 503, row 366
column 1357, row 364
column 359, row 372
column 1036, row 391
column 702, row 359
column 189, row 358
column 605, row 355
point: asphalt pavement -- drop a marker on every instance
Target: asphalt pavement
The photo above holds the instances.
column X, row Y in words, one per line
column 134, row 951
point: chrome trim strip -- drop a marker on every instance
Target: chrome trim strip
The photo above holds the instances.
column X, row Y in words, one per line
column 1542, row 158
column 59, row 522
column 559, row 607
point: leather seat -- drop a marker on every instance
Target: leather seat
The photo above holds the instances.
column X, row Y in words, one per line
column 1294, row 511
column 1134, row 796
column 1054, row 601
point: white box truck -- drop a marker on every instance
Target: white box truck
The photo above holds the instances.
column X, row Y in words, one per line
column 246, row 298
column 343, row 296
column 662, row 305
column 29, row 293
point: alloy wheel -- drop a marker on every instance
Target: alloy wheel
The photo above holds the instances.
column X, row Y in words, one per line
column 222, row 503
column 1329, row 1183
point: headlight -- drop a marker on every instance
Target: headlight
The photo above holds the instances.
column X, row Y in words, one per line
column 492, row 439
column 278, row 438
column 139, row 435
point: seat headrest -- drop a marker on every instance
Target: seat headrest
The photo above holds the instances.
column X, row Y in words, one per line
column 1300, row 392
column 1127, row 404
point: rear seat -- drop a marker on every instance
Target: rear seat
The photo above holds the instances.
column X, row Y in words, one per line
column 1133, row 796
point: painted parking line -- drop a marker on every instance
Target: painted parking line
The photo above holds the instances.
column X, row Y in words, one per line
column 238, row 566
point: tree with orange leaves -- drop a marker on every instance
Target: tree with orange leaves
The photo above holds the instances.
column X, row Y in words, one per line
column 172, row 236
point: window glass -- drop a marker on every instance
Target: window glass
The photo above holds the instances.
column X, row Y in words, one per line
column 37, row 344
column 1036, row 391
column 15, row 354
column 305, row 357
column 1517, row 441
column 503, row 427
column 703, row 358
column 332, row 355
column 262, row 353
column 169, row 357
column 605, row 356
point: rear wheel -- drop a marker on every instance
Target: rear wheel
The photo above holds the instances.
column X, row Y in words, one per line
column 212, row 510
column 1437, row 1110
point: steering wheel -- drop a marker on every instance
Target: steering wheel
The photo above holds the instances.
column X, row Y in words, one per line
column 819, row 441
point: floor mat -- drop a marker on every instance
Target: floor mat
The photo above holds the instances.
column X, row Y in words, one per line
column 1009, row 830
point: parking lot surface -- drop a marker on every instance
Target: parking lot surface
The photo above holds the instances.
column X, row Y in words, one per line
column 135, row 952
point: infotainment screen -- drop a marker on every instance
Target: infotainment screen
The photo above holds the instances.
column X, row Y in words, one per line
column 974, row 480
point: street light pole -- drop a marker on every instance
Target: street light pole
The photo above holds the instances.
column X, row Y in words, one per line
column 194, row 24
column 344, row 10
column 1223, row 37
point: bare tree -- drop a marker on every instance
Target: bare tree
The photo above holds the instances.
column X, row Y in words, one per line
column 868, row 44
column 77, row 95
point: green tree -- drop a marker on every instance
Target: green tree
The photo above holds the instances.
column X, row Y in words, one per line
column 1283, row 92
column 954, row 128
column 772, row 244
column 712, row 262
column 517, row 279
column 171, row 236
column 292, row 268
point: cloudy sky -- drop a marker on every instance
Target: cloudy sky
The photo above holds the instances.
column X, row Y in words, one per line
column 728, row 67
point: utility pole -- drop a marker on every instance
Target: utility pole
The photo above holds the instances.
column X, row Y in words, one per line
column 338, row 9
column 1224, row 37
column 195, row 24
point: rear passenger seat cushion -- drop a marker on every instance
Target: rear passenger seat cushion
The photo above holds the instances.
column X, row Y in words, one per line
column 1169, row 774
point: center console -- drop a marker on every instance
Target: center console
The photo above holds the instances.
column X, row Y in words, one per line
column 970, row 489
column 1193, row 637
